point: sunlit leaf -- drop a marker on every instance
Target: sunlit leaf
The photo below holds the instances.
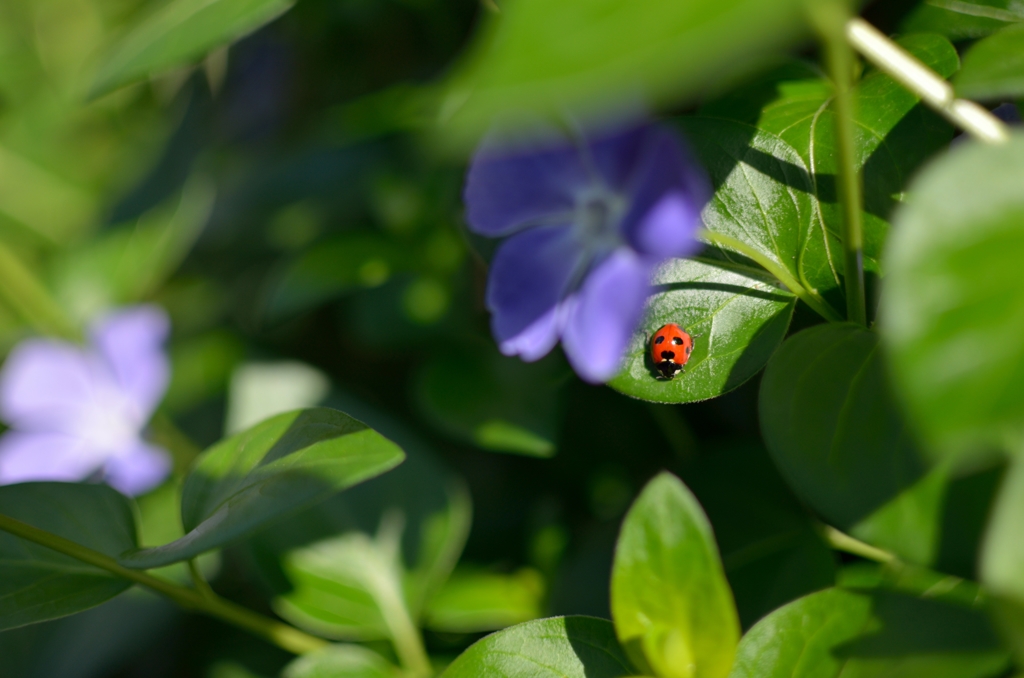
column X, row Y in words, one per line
column 559, row 647
column 845, row 633
column 267, row 472
column 474, row 601
column 341, row 661
column 671, row 603
column 736, row 315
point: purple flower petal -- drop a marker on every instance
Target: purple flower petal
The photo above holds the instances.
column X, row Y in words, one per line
column 131, row 341
column 616, row 155
column 47, row 456
column 509, row 187
column 139, row 470
column 667, row 193
column 49, row 386
column 601, row 317
column 530, row 275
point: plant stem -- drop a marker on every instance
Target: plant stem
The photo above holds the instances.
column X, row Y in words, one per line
column 284, row 636
column 929, row 86
column 199, row 581
column 840, row 541
column 831, row 18
column 26, row 295
column 809, row 297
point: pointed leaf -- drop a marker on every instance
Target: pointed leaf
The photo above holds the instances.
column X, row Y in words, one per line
column 37, row 583
column 559, row 647
column 736, row 315
column 671, row 603
column 837, row 633
column 275, row 468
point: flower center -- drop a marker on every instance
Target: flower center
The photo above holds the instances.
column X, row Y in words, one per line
column 598, row 216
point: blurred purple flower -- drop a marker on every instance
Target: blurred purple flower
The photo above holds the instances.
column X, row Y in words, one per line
column 77, row 412
column 588, row 224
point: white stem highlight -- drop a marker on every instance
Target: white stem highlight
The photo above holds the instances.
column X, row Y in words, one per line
column 925, row 83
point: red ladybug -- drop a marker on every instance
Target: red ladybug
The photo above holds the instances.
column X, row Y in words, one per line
column 670, row 349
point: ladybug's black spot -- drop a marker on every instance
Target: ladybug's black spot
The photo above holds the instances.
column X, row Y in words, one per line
column 677, row 340
column 659, row 340
column 688, row 349
column 668, row 355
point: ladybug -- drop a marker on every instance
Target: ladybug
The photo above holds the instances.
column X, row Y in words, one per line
column 670, row 349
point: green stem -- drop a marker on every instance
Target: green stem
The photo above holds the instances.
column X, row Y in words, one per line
column 199, row 581
column 831, row 18
column 840, row 541
column 926, row 84
column 26, row 295
column 284, row 636
column 809, row 297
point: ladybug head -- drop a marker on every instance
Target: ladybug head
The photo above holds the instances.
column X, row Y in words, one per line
column 668, row 369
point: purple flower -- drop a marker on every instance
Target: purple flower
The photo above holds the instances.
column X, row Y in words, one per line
column 77, row 412
column 586, row 225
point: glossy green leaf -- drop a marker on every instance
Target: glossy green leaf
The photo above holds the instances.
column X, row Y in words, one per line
column 494, row 402
column 559, row 647
column 264, row 473
column 867, row 635
column 341, row 661
column 962, row 19
column 994, row 67
column 473, row 601
column 180, row 32
column 838, row 437
column 37, row 583
column 770, row 548
column 538, row 56
column 736, row 314
column 893, row 136
column 673, row 610
column 953, row 311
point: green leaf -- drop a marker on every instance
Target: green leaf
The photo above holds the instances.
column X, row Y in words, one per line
column 37, row 583
column 736, row 314
column 672, row 606
column 865, row 634
column 962, row 19
column 178, row 33
column 953, row 311
column 894, row 135
column 473, row 601
column 523, row 63
column 994, row 67
column 497, row 403
column 770, row 549
column 341, row 661
column 275, row 468
column 348, row 588
column 422, row 497
column 837, row 436
column 559, row 647
column 1002, row 559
